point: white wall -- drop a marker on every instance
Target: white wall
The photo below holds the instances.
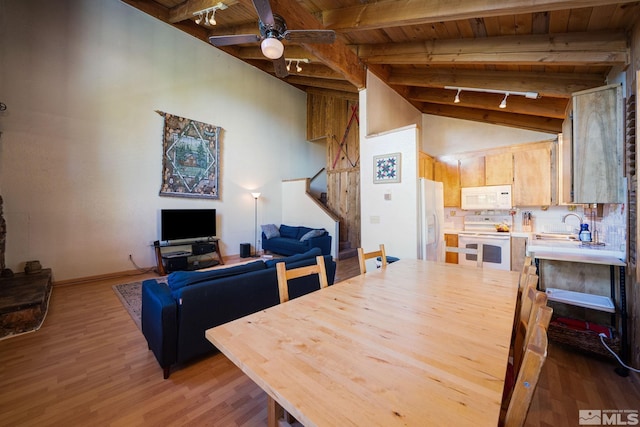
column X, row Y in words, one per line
column 391, row 222
column 444, row 135
column 81, row 145
column 299, row 209
column 389, row 212
column 386, row 110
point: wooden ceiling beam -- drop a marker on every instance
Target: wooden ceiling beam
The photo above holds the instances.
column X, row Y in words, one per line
column 521, row 121
column 395, row 13
column 337, row 55
column 544, row 107
column 560, row 85
column 351, row 96
column 339, row 85
column 587, row 48
column 150, row 8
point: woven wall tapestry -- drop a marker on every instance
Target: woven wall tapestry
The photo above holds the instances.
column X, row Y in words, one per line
column 190, row 161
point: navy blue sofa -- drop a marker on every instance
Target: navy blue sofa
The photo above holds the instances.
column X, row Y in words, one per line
column 175, row 315
column 288, row 240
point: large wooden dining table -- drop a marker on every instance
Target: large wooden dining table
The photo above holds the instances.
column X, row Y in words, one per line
column 417, row 343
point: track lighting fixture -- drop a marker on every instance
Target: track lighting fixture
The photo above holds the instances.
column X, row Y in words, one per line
column 297, row 61
column 503, row 104
column 203, row 15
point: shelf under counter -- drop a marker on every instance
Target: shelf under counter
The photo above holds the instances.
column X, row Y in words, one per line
column 581, row 299
column 582, row 257
column 602, row 303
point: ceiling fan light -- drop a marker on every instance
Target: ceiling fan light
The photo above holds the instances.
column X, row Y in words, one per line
column 272, row 48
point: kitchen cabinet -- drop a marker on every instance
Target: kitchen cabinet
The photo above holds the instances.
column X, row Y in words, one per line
column 499, row 169
column 425, row 166
column 472, row 171
column 532, row 177
column 451, row 240
column 448, row 173
column 564, row 160
column 598, row 136
column 529, row 168
column 490, row 169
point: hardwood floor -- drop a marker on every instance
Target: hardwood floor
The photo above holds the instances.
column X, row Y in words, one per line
column 89, row 365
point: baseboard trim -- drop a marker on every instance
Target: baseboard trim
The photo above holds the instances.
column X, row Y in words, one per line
column 107, row 276
column 232, row 259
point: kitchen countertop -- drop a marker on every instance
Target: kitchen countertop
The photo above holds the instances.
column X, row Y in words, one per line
column 452, row 230
column 574, row 252
column 566, row 250
column 521, row 234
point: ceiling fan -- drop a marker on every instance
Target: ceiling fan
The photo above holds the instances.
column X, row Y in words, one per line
column 273, row 29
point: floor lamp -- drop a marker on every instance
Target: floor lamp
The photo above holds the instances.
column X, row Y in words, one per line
column 255, row 230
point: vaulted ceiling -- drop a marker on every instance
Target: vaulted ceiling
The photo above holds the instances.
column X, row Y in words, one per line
column 419, row 47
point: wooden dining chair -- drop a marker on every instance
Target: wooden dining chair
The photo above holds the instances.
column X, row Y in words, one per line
column 521, row 396
column 275, row 412
column 285, row 275
column 532, row 301
column 528, row 277
column 468, row 251
column 364, row 256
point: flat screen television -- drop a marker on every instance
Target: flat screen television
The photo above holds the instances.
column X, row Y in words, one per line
column 179, row 224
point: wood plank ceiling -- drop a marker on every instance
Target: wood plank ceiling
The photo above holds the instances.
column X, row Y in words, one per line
column 552, row 47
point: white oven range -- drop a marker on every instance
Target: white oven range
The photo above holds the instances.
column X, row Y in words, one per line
column 482, row 229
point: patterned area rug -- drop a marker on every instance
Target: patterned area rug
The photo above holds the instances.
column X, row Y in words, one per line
column 130, row 295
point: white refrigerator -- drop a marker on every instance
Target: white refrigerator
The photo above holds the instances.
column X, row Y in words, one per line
column 430, row 220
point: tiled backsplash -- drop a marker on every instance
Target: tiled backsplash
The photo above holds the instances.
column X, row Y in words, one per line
column 611, row 228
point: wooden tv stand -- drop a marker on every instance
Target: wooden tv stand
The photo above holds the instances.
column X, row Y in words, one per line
column 161, row 258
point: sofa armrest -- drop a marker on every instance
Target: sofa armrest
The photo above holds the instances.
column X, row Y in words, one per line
column 322, row 242
column 160, row 322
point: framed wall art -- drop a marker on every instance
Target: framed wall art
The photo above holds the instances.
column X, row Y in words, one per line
column 190, row 158
column 386, row 168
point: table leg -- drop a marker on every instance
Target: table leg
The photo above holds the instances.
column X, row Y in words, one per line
column 274, row 412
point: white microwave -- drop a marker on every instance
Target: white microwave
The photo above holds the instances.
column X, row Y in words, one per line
column 487, row 197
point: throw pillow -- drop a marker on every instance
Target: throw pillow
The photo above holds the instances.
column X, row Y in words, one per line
column 270, row 231
column 311, row 234
column 180, row 279
column 311, row 253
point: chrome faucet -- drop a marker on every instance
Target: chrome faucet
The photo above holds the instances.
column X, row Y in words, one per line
column 564, row 218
